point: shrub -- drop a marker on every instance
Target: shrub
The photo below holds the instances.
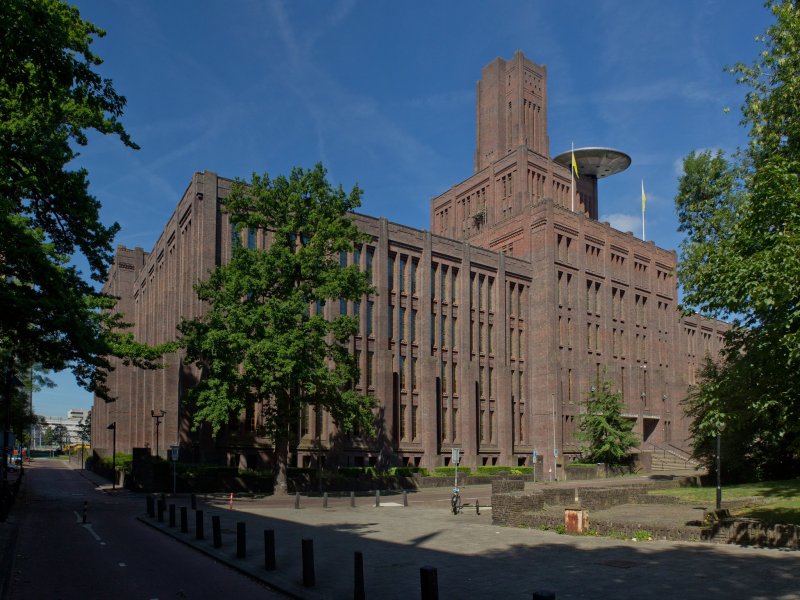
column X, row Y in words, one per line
column 123, row 462
column 263, row 474
column 451, row 471
column 497, row 470
column 354, row 472
column 642, row 535
column 408, row 471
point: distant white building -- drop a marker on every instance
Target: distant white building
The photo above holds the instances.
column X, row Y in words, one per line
column 72, row 422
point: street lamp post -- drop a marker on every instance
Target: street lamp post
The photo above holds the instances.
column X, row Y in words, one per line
column 174, row 453
column 720, row 429
column 157, row 416
column 113, row 428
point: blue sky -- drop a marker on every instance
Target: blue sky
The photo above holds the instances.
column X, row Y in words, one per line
column 383, row 93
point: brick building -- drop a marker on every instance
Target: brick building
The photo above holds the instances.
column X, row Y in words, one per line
column 487, row 332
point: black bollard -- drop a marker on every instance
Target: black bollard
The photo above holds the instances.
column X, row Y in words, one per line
column 161, row 508
column 377, row 497
column 269, row 549
column 477, row 507
column 325, row 500
column 198, row 525
column 358, row 584
column 151, row 507
column 85, row 510
column 297, row 499
column 308, row 562
column 241, row 540
column 172, row 515
column 429, row 583
column 352, row 499
column 216, row 531
column 544, row 595
column 194, row 502
column 405, row 498
column 184, row 520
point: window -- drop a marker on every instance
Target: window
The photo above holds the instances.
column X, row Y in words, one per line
column 414, row 264
column 370, row 310
column 402, row 273
column 390, row 268
column 401, row 323
column 412, row 337
column 251, row 238
column 370, row 257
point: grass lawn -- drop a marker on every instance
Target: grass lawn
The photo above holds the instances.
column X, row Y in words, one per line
column 780, row 504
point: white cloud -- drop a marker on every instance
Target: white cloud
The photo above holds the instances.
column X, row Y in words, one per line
column 625, row 223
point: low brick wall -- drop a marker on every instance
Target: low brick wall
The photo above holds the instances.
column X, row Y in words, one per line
column 752, row 532
column 516, row 509
column 502, row 486
column 511, row 506
column 584, row 472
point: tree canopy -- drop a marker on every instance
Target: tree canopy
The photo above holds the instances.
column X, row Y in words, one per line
column 265, row 339
column 51, row 96
column 741, row 261
column 607, row 433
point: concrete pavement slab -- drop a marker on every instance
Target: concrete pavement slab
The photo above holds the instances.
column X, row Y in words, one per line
column 475, row 559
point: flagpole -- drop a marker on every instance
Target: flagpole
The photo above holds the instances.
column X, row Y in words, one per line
column 644, row 201
column 572, row 176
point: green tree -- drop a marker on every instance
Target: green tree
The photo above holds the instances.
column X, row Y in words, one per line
column 607, row 434
column 264, row 339
column 85, row 429
column 57, row 436
column 741, row 261
column 51, row 97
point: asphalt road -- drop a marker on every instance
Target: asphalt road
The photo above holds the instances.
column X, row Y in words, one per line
column 112, row 555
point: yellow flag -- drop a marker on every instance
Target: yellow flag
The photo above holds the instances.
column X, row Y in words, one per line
column 575, row 166
column 644, row 198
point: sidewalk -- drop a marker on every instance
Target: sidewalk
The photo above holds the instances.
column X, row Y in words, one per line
column 473, row 558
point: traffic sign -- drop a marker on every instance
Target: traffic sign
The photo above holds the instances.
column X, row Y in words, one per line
column 555, row 452
column 455, row 455
column 535, row 456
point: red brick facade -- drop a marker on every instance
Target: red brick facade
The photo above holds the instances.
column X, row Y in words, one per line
column 486, row 334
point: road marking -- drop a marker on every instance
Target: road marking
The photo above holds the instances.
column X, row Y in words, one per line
column 88, row 527
column 122, row 565
column 77, row 516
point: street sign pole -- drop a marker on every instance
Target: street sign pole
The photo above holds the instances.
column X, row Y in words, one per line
column 555, row 462
column 455, row 458
column 535, row 456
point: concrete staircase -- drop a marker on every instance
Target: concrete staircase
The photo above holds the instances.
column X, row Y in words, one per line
column 671, row 459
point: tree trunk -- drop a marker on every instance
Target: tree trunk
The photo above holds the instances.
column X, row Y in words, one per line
column 281, row 464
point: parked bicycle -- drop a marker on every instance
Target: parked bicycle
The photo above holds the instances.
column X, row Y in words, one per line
column 455, row 501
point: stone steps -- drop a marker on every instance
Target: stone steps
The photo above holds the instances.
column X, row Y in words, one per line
column 669, row 462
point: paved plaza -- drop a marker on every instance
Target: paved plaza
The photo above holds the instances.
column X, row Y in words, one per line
column 475, row 559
